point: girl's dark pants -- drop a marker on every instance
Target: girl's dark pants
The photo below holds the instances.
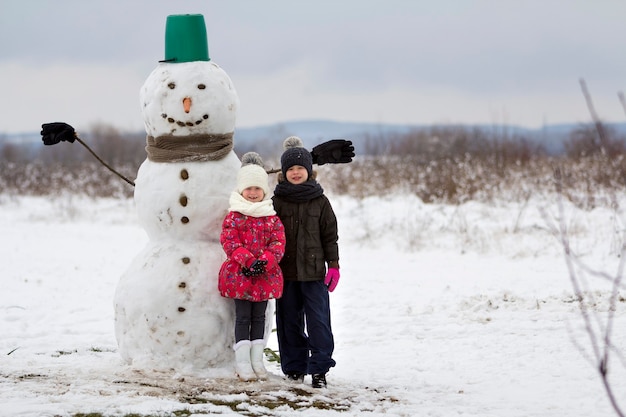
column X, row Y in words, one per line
column 249, row 320
column 310, row 350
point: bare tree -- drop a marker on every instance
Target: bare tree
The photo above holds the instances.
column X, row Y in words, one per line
column 601, row 349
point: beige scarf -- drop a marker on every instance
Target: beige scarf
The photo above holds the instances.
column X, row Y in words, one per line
column 189, row 148
column 258, row 209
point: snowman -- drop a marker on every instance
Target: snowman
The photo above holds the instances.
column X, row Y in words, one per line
column 168, row 311
column 169, row 314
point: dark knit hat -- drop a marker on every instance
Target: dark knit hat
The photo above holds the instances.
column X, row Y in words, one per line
column 295, row 154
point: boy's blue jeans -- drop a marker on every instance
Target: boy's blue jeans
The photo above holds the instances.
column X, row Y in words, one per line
column 304, row 350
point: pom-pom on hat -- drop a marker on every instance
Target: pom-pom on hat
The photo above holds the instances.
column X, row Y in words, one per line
column 252, row 173
column 295, row 154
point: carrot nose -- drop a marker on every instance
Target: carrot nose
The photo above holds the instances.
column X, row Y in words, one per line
column 187, row 104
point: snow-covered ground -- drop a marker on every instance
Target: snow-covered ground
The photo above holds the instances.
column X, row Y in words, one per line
column 441, row 311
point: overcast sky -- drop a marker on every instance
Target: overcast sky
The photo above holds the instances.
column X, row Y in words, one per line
column 380, row 61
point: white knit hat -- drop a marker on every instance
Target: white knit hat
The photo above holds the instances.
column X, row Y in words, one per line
column 252, row 173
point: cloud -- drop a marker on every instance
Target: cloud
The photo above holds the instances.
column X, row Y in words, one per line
column 76, row 94
column 392, row 61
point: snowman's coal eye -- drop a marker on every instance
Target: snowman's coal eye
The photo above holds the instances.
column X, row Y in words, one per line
column 172, row 86
column 201, row 86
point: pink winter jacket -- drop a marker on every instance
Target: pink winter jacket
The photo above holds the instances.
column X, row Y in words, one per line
column 245, row 239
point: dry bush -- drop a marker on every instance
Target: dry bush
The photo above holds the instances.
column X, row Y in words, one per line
column 447, row 164
column 87, row 178
column 588, row 182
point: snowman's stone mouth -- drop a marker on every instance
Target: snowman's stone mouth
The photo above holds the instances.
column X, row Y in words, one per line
column 182, row 123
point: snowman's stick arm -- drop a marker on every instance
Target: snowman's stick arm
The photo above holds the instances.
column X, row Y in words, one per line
column 335, row 151
column 104, row 163
column 55, row 132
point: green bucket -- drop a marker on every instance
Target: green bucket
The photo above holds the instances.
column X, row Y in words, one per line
column 185, row 38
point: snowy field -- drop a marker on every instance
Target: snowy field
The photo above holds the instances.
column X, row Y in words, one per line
column 441, row 311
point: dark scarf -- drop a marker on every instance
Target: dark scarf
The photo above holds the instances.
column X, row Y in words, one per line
column 298, row 193
column 203, row 147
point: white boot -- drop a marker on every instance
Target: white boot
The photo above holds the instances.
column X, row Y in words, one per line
column 256, row 354
column 243, row 367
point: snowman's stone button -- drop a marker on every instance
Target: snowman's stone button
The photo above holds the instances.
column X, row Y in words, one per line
column 186, row 260
column 183, row 200
column 184, row 174
column 181, row 309
column 184, row 219
column 182, row 285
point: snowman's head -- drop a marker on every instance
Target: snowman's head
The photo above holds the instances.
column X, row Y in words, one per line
column 187, row 94
column 189, row 98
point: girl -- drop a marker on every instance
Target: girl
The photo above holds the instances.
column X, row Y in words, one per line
column 253, row 238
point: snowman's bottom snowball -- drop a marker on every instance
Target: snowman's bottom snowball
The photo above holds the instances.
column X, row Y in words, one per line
column 169, row 314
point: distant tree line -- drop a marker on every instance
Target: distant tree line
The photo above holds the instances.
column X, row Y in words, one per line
column 450, row 164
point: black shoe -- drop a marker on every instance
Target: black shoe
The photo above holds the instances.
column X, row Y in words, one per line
column 319, row 380
column 295, row 376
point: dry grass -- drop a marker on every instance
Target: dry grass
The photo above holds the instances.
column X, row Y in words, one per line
column 587, row 182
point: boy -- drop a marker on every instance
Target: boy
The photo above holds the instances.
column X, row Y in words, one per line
column 311, row 244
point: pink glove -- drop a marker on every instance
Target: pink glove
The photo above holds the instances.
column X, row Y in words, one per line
column 332, row 279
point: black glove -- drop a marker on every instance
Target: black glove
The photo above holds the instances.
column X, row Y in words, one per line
column 335, row 151
column 257, row 268
column 53, row 133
